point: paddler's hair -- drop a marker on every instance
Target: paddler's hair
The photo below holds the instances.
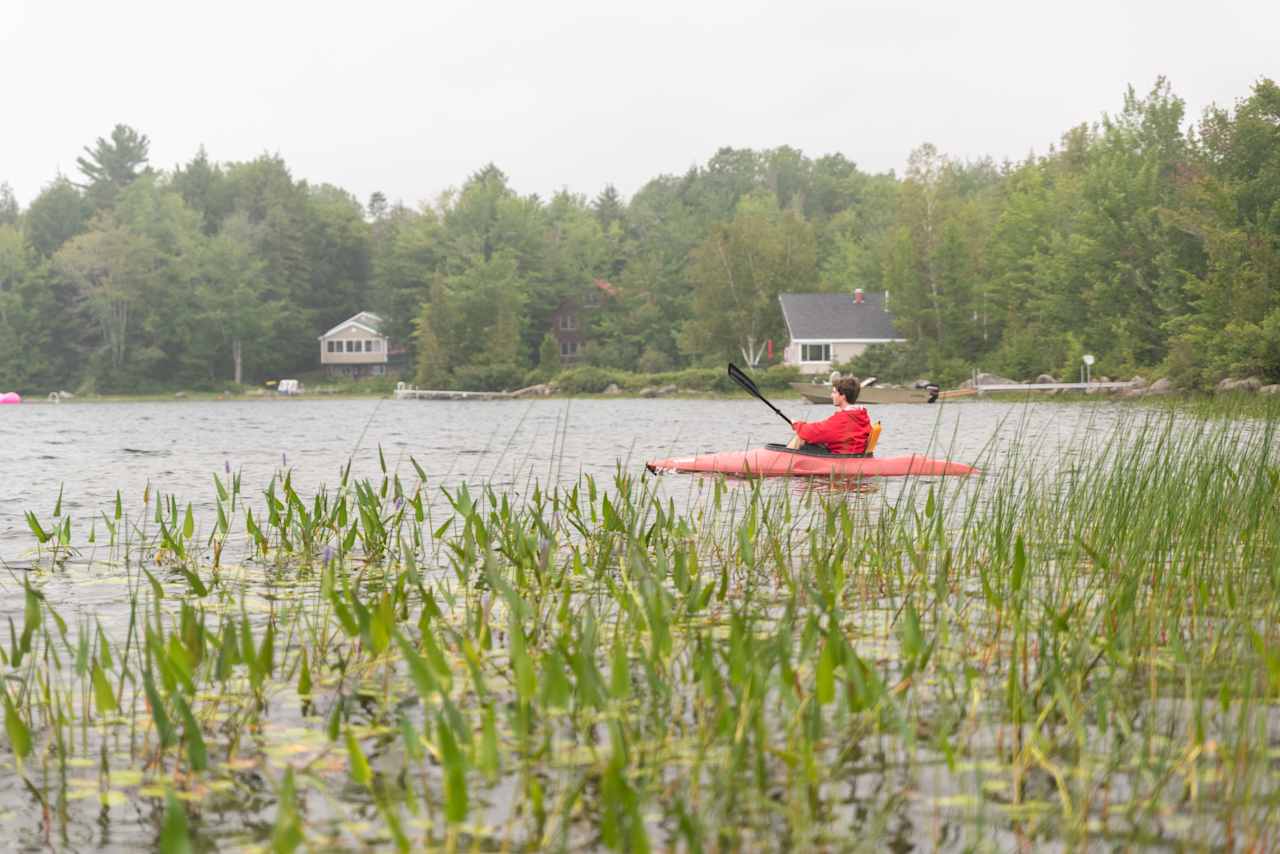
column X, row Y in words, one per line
column 849, row 387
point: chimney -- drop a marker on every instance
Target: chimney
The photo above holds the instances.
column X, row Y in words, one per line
column 857, row 296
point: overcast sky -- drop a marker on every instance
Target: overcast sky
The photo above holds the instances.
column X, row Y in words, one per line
column 410, row 98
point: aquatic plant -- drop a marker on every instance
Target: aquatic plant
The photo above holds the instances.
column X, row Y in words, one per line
column 1067, row 650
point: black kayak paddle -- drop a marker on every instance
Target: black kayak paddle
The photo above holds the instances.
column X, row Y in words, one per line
column 736, row 374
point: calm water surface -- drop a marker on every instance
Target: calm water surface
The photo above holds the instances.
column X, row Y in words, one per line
column 89, row 451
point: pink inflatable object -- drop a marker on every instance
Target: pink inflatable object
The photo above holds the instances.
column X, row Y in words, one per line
column 11, row 397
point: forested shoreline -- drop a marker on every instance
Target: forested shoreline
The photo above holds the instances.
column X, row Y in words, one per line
column 1146, row 238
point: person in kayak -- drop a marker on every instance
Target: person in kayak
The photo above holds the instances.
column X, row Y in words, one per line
column 846, row 432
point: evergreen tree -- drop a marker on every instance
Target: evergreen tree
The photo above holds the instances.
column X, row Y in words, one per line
column 113, row 164
column 549, row 356
column 608, row 207
column 9, row 209
column 204, row 187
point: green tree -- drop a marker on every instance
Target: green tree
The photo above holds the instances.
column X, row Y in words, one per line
column 59, row 213
column 337, row 245
column 33, row 351
column 1228, row 205
column 278, row 209
column 110, row 265
column 112, row 164
column 232, row 315
column 204, row 187
column 609, row 207
column 433, row 362
column 406, row 254
column 549, row 356
column 9, row 209
column 476, row 301
column 737, row 275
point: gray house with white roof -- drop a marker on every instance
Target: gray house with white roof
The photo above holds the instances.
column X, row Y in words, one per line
column 827, row 328
column 355, row 347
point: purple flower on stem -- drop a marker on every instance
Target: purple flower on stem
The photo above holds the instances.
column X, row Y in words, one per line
column 284, row 460
column 227, row 465
column 328, row 555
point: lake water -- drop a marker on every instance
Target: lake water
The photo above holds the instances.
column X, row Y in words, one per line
column 89, row 451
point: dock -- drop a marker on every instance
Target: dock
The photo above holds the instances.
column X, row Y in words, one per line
column 982, row 389
column 445, row 394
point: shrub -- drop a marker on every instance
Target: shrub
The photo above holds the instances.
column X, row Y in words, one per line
column 778, row 376
column 653, row 361
column 504, row 377
column 695, row 379
column 895, row 363
column 586, row 379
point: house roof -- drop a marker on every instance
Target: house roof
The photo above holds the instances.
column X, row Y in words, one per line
column 366, row 320
column 836, row 317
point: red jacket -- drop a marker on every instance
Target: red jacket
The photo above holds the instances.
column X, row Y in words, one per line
column 846, row 432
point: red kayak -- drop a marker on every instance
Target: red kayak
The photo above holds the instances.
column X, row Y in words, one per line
column 781, row 461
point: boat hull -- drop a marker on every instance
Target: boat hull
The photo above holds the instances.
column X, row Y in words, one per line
column 773, row 462
column 875, row 395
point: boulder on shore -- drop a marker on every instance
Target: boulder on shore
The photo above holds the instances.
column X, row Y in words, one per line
column 612, row 388
column 539, row 390
column 988, row 379
column 1160, row 386
column 1248, row 384
column 1047, row 378
column 1270, row 389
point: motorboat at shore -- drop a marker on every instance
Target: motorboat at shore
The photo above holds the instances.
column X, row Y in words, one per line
column 877, row 395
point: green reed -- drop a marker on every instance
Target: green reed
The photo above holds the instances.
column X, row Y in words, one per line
column 1063, row 650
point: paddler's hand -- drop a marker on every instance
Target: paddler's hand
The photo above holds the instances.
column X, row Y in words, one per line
column 796, row 441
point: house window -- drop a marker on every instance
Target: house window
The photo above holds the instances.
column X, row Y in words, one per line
column 568, row 348
column 329, row 346
column 368, row 345
column 351, row 346
column 815, row 352
column 377, row 345
column 568, row 321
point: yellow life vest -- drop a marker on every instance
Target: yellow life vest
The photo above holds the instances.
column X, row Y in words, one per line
column 873, row 438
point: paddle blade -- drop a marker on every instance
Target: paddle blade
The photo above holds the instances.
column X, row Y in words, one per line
column 736, row 374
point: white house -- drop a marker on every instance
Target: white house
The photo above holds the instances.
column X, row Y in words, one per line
column 355, row 347
column 827, row 328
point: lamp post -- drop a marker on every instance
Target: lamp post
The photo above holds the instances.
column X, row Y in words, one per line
column 1088, row 363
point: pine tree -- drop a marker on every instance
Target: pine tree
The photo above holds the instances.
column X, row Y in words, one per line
column 113, row 165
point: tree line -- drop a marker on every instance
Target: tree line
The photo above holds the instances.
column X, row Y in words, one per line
column 1150, row 241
